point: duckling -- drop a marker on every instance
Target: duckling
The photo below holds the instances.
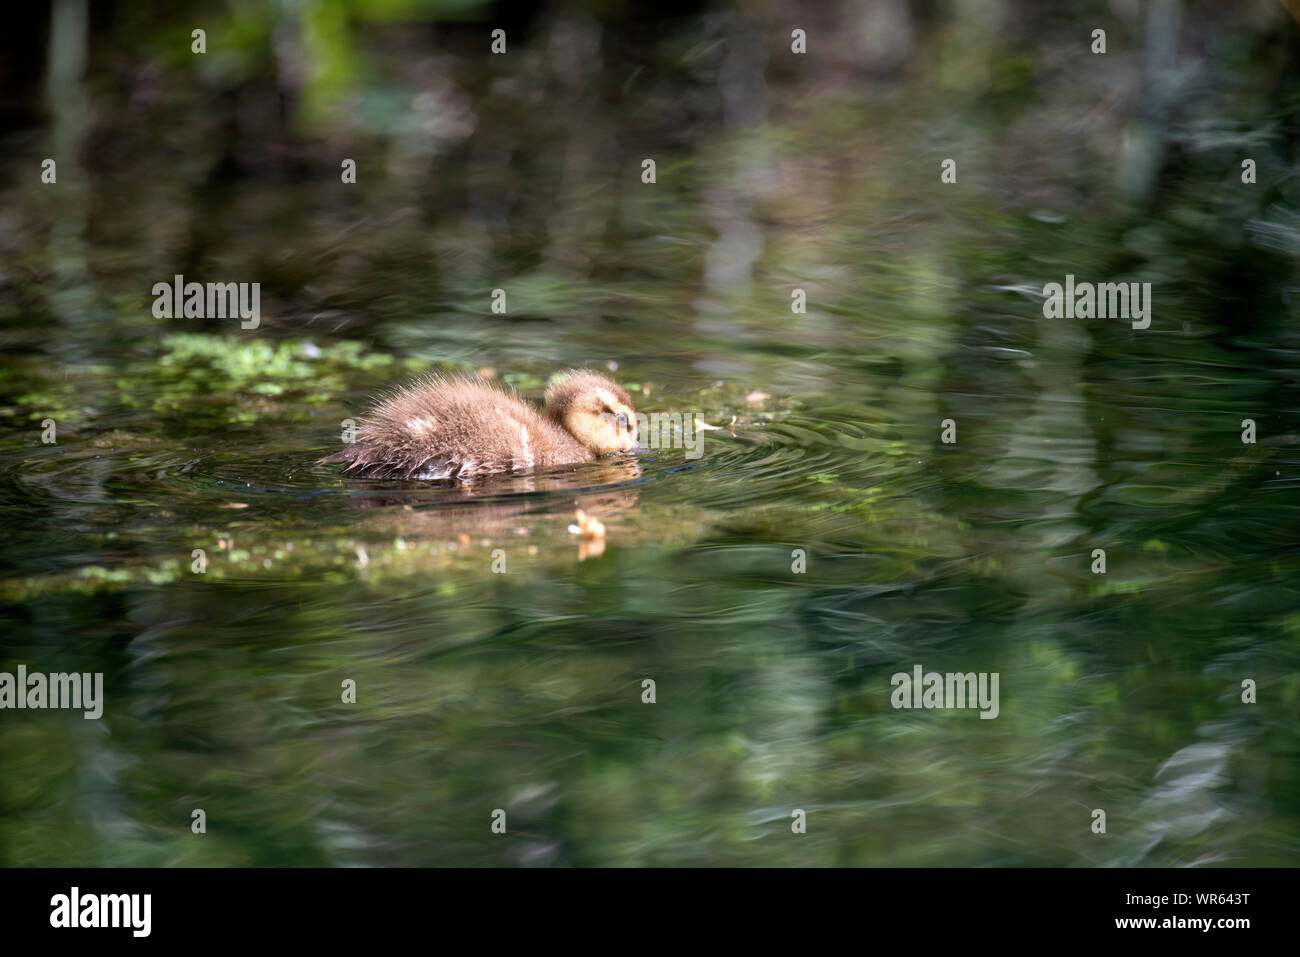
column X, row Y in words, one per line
column 451, row 428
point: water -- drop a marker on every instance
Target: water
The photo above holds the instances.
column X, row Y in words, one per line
column 521, row 689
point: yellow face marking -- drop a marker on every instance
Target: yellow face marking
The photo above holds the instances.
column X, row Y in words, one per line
column 594, row 422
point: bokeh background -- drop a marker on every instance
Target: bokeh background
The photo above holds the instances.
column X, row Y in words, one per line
column 775, row 171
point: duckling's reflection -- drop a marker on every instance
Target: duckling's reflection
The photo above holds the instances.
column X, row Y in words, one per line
column 500, row 506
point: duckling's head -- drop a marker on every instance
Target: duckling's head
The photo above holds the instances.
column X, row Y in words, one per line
column 595, row 411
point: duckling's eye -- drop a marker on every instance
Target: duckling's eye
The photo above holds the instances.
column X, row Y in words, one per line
column 622, row 421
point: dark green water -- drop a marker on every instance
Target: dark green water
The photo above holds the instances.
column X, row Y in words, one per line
column 522, row 690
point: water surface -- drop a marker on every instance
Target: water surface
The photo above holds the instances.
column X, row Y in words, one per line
column 521, row 688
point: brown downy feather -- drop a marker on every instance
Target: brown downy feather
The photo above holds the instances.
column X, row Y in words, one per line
column 463, row 428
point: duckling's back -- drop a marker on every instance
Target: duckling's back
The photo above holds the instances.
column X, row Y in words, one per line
column 455, row 429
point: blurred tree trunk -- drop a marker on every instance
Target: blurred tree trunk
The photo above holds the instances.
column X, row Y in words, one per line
column 66, row 97
column 1143, row 150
